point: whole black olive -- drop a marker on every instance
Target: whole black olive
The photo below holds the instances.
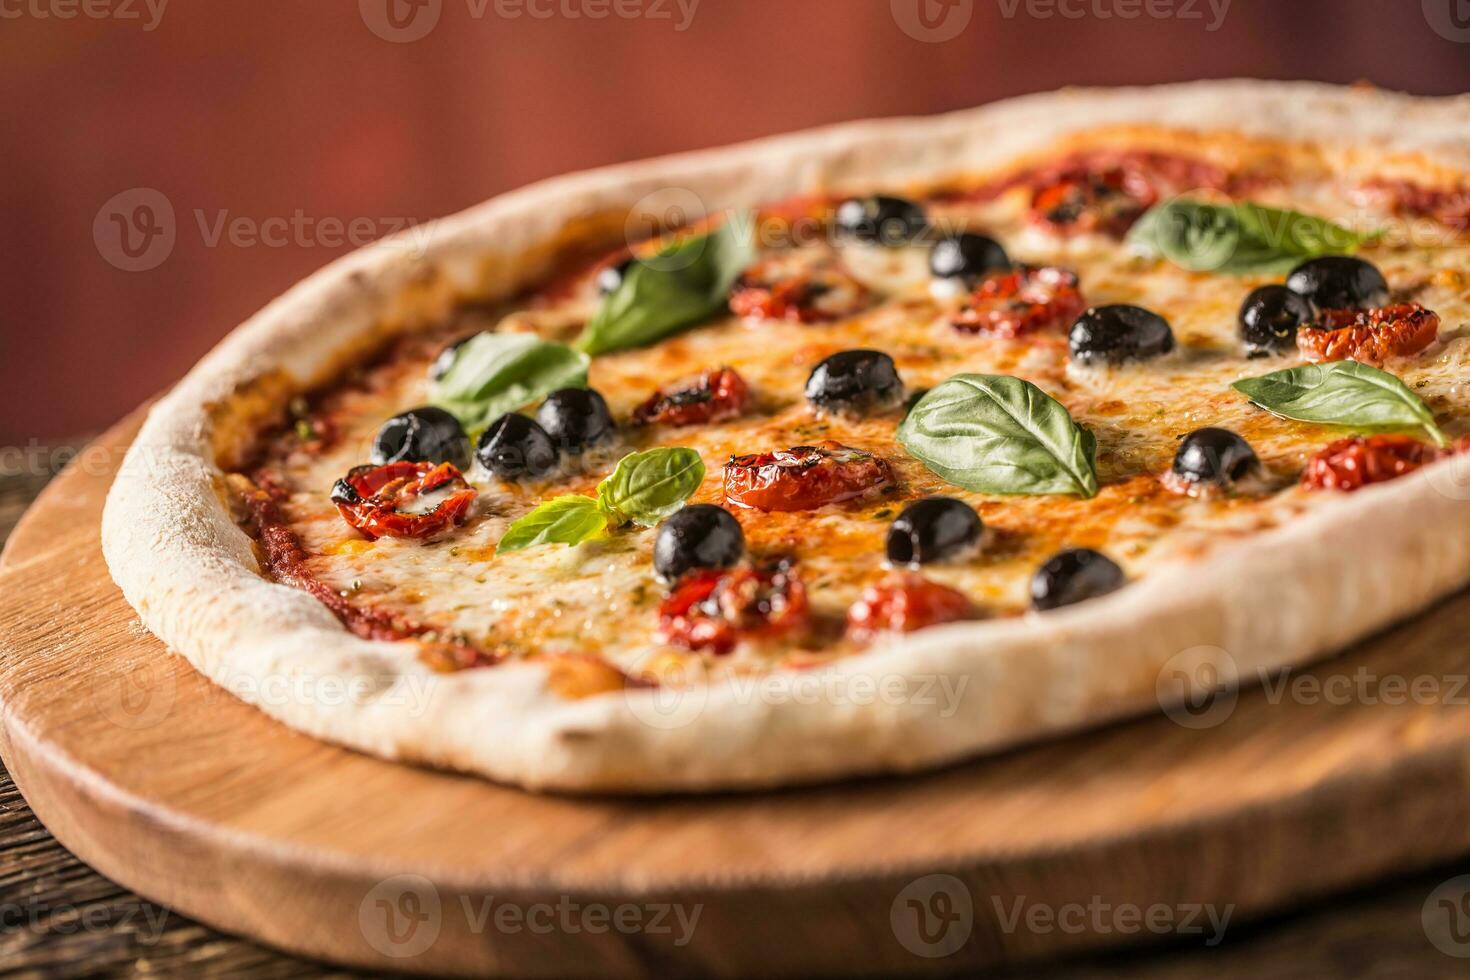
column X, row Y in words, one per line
column 881, row 220
column 855, row 381
column 575, row 418
column 967, row 257
column 515, row 447
column 1215, row 456
column 933, row 530
column 698, row 536
column 610, row 277
column 1114, row 334
column 1339, row 282
column 1269, row 319
column 422, row 435
column 1073, row 576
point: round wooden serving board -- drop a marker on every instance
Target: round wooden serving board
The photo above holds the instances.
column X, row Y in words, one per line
column 173, row 788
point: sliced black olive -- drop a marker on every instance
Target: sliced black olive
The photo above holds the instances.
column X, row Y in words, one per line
column 855, row 381
column 515, row 447
column 967, row 257
column 699, row 536
column 881, row 220
column 1216, row 456
column 1339, row 282
column 933, row 530
column 445, row 360
column 1269, row 319
column 1114, row 334
column 1073, row 576
column 610, row 277
column 575, row 418
column 422, row 435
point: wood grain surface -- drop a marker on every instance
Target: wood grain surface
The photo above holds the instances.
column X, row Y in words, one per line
column 204, row 804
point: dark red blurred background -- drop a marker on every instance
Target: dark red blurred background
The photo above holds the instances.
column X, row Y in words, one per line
column 276, row 108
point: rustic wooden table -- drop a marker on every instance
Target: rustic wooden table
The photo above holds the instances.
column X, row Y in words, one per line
column 60, row 918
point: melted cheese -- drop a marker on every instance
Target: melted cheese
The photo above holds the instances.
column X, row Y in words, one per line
column 602, row 597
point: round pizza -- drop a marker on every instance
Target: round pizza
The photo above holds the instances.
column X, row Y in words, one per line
column 860, row 450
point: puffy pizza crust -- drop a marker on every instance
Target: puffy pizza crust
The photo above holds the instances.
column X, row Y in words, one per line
column 1268, row 602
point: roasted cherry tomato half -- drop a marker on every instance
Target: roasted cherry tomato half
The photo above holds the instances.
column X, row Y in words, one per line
column 792, row 288
column 902, row 603
column 384, row 501
column 803, row 478
column 1081, row 200
column 1369, row 336
column 1355, row 462
column 1020, row 301
column 714, row 396
column 714, row 610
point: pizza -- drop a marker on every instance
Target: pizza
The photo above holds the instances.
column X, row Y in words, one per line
column 861, row 450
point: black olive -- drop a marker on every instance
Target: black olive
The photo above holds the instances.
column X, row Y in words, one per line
column 442, row 363
column 515, row 447
column 575, row 418
column 933, row 530
column 967, row 257
column 1212, row 455
column 855, row 381
column 1114, row 334
column 699, row 536
column 1072, row 576
column 880, row 220
column 610, row 277
column 1269, row 319
column 1339, row 282
column 422, row 435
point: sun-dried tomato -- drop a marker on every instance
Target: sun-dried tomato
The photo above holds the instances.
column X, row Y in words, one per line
column 794, row 288
column 1022, row 300
column 373, row 499
column 1355, row 462
column 804, row 477
column 714, row 396
column 714, row 610
column 1369, row 336
column 904, row 602
column 1082, row 200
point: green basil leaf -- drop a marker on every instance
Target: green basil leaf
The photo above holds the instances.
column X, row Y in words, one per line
column 997, row 434
column 1237, row 239
column 561, row 520
column 1342, row 393
column 646, row 487
column 495, row 373
column 682, row 285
